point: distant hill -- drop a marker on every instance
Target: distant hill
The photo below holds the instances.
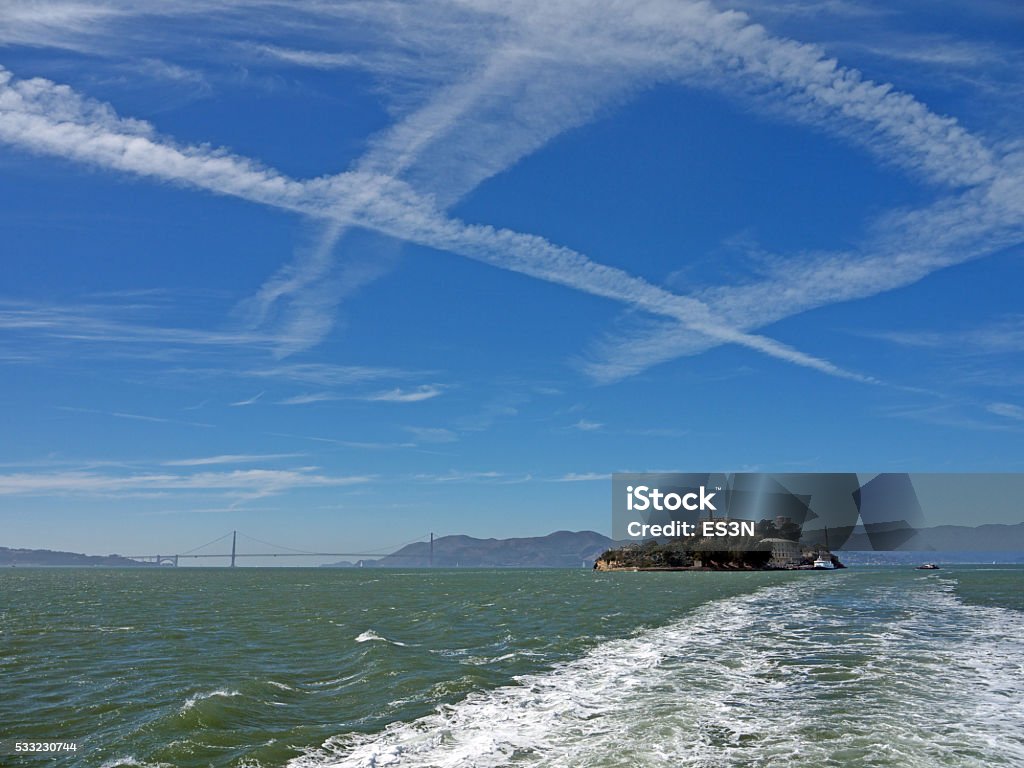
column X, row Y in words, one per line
column 955, row 538
column 569, row 549
column 562, row 549
column 9, row 557
column 931, row 556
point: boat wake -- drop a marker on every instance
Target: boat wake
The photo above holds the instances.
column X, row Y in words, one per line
column 810, row 671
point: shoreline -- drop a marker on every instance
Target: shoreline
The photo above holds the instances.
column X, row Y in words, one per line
column 740, row 569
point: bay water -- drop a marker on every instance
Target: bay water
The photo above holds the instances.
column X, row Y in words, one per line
column 305, row 668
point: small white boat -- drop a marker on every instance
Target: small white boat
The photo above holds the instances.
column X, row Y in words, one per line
column 823, row 562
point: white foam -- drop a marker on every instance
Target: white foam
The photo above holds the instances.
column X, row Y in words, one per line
column 371, row 636
column 479, row 661
column 130, row 761
column 195, row 698
column 784, row 676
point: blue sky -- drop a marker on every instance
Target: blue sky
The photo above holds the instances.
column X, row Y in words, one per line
column 337, row 275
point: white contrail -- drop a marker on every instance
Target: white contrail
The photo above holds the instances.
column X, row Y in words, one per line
column 656, row 40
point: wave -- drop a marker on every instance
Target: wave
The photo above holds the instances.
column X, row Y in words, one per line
column 131, row 762
column 834, row 670
column 370, row 636
column 196, row 698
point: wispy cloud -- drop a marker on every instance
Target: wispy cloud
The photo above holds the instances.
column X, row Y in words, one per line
column 314, row 59
column 461, row 476
column 328, row 375
column 91, row 132
column 300, row 301
column 433, row 434
column 936, row 51
column 310, row 398
column 424, row 392
column 230, row 458
column 668, row 432
column 845, row 9
column 905, row 247
column 248, row 483
column 133, row 416
column 156, row 419
column 248, row 401
column 116, row 327
column 1004, row 335
column 585, row 425
column 174, row 73
column 60, row 25
column 343, row 443
column 959, row 415
column 396, row 395
column 381, row 63
column 504, row 406
column 557, row 68
column 582, row 477
column 1007, row 410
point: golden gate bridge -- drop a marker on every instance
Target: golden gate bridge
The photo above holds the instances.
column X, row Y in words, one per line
column 234, row 554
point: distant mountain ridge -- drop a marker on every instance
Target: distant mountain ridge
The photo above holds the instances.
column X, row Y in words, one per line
column 992, row 537
column 561, row 549
column 14, row 557
column 573, row 549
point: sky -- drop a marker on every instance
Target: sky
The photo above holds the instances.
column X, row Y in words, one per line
column 337, row 275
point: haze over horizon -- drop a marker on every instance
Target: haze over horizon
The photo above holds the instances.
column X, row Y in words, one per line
column 340, row 275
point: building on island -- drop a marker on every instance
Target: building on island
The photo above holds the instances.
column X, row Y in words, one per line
column 785, row 552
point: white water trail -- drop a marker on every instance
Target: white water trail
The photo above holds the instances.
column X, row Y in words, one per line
column 819, row 671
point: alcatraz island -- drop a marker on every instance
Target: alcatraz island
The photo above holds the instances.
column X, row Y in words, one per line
column 774, row 545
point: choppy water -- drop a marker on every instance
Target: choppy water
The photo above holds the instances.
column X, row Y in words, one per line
column 311, row 668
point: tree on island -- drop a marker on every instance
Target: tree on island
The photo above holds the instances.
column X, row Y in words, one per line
column 768, row 529
column 733, row 553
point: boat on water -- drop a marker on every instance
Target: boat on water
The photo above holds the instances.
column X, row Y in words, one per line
column 823, row 562
column 927, row 567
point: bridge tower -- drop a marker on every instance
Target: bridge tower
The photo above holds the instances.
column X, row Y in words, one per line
column 234, row 536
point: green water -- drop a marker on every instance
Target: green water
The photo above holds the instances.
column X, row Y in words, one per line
column 313, row 667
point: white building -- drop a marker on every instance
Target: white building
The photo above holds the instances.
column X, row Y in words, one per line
column 785, row 552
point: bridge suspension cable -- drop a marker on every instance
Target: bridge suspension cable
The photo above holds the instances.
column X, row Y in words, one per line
column 383, row 550
column 219, row 538
column 278, row 546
